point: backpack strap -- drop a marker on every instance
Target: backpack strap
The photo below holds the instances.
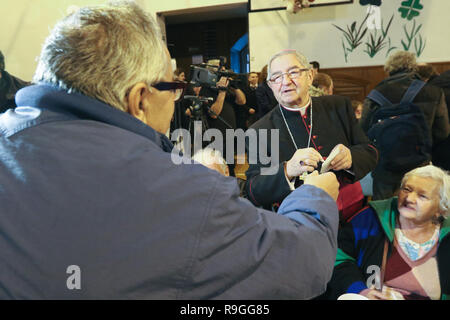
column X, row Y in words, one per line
column 412, row 91
column 381, row 100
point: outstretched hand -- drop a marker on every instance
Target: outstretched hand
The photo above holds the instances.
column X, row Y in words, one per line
column 327, row 182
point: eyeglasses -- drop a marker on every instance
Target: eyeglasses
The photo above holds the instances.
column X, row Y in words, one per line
column 177, row 88
column 292, row 74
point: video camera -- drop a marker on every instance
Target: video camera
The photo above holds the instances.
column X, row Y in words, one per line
column 207, row 75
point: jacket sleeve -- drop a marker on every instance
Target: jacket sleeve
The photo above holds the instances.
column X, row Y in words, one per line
column 347, row 277
column 264, row 190
column 440, row 130
column 364, row 154
column 263, row 186
column 369, row 108
column 249, row 253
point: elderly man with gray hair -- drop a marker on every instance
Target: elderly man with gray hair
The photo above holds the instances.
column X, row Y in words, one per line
column 95, row 207
column 310, row 130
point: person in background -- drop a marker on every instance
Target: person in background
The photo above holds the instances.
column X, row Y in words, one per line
column 251, row 103
column 426, row 71
column 441, row 150
column 412, row 231
column 9, row 85
column 357, row 108
column 179, row 75
column 402, row 69
column 265, row 99
column 322, row 85
column 315, row 68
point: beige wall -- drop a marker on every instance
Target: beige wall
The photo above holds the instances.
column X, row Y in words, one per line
column 28, row 22
column 170, row 5
column 25, row 27
column 312, row 32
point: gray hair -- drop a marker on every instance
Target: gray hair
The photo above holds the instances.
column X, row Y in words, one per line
column 102, row 51
column 401, row 60
column 441, row 177
column 300, row 57
column 210, row 156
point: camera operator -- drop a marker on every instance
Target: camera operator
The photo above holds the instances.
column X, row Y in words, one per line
column 221, row 114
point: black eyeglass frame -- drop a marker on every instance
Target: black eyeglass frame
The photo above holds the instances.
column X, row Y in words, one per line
column 281, row 75
column 166, row 86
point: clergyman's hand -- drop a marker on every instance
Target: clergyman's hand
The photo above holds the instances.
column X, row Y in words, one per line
column 343, row 159
column 303, row 160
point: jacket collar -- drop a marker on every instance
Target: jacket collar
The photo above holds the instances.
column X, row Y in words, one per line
column 387, row 213
column 42, row 97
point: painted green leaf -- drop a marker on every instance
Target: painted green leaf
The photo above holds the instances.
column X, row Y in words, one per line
column 410, row 9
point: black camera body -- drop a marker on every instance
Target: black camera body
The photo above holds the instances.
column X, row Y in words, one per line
column 204, row 75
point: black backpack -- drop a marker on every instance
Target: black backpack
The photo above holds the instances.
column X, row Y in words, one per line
column 399, row 131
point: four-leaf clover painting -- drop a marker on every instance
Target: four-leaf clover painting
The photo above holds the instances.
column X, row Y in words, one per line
column 410, row 9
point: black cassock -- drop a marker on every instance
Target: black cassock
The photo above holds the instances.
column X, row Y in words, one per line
column 333, row 123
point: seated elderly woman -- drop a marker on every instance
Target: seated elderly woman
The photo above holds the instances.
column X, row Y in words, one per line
column 398, row 248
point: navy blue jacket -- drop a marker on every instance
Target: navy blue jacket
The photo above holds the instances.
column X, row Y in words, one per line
column 83, row 184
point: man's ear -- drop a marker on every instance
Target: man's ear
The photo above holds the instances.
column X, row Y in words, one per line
column 136, row 100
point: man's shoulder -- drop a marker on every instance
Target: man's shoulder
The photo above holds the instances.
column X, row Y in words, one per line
column 330, row 102
column 330, row 99
column 266, row 121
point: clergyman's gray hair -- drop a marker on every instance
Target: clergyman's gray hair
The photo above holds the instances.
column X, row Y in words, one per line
column 300, row 57
column 102, row 51
column 441, row 177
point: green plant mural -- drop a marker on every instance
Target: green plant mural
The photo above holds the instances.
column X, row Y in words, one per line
column 419, row 47
column 410, row 9
column 377, row 39
column 353, row 36
column 413, row 36
column 376, row 42
column 390, row 47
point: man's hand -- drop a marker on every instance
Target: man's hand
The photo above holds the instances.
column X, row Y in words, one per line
column 222, row 84
column 327, row 182
column 343, row 159
column 303, row 160
column 251, row 111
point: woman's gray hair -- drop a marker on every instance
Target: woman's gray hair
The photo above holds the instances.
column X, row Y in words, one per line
column 300, row 57
column 102, row 51
column 209, row 156
column 401, row 60
column 441, row 177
